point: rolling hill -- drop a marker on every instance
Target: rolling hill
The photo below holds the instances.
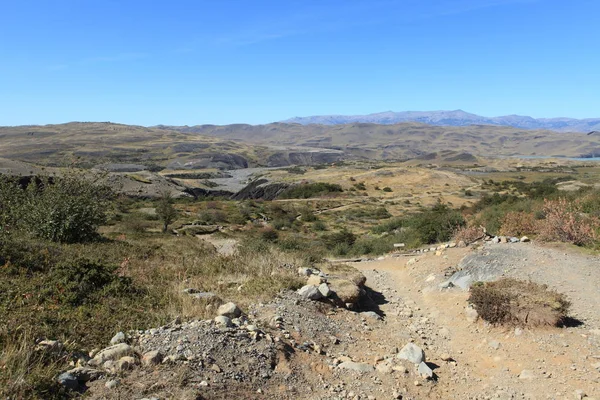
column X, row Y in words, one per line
column 455, row 118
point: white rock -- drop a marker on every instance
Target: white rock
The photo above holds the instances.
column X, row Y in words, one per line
column 222, row 320
column 425, row 371
column 111, row 353
column 229, row 310
column 324, row 289
column 412, row 353
column 118, row 338
column 525, row 239
column 310, row 292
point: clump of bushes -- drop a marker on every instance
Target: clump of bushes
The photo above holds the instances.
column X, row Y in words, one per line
column 564, row 222
column 514, row 302
column 308, row 190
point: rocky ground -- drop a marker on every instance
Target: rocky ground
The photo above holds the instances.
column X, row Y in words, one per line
column 410, row 337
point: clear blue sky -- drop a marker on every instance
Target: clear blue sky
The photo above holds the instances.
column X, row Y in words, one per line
column 194, row 62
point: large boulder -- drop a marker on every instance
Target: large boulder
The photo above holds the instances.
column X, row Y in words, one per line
column 345, row 290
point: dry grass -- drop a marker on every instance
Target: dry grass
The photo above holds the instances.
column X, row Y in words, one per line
column 513, row 302
column 28, row 373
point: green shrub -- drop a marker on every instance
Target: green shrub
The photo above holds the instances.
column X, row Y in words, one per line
column 319, row 226
column 344, row 237
column 269, row 234
column 437, row 224
column 77, row 281
column 308, row 190
column 66, row 209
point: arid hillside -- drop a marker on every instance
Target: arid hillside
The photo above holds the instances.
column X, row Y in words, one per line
column 409, row 140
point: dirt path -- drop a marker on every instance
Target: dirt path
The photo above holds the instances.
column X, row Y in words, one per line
column 494, row 362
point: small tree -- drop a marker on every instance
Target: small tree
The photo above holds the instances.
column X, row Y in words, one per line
column 165, row 210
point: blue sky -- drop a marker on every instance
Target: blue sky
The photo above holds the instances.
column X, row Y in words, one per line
column 222, row 61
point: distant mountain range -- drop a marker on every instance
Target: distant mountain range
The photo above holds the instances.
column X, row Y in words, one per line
column 455, row 118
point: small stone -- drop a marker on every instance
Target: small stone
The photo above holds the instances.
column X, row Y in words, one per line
column 51, row 346
column 229, row 310
column 525, row 239
column 152, row 358
column 111, row 353
column 125, row 363
column 224, row 321
column 580, row 394
column 461, row 244
column 310, row 292
column 371, row 315
column 354, row 366
column 471, row 314
column 518, row 331
column 216, row 368
column 68, row 380
column 111, row 384
column 425, row 371
column 527, row 374
column 446, row 357
column 494, row 344
column 305, row 271
column 412, row 353
column 85, row 374
column 118, row 338
column 324, row 289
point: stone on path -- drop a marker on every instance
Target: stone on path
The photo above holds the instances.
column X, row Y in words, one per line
column 355, row 366
column 425, row 371
column 412, row 353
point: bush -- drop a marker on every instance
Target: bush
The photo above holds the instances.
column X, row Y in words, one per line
column 518, row 224
column 319, row 226
column 565, row 222
column 437, row 224
column 343, row 237
column 67, row 209
column 387, row 189
column 269, row 234
column 509, row 301
column 77, row 281
column 308, row 190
